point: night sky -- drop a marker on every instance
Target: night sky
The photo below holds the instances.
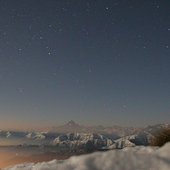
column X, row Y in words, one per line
column 92, row 61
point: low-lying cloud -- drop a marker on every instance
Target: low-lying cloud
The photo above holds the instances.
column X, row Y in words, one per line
column 142, row 158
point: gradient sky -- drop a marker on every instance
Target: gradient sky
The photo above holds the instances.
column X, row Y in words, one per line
column 92, row 61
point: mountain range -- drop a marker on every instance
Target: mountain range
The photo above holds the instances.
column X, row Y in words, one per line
column 74, row 136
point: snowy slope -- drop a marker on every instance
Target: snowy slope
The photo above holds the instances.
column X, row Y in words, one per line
column 81, row 140
column 131, row 141
column 136, row 158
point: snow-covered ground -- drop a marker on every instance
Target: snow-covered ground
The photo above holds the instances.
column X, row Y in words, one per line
column 134, row 158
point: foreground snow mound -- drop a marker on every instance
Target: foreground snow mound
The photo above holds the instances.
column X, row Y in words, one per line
column 136, row 158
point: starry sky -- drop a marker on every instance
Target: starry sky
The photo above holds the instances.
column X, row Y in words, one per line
column 92, row 61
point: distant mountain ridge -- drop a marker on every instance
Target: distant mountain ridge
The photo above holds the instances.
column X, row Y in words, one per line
column 72, row 127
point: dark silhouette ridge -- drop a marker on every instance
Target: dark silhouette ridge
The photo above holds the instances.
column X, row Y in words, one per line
column 161, row 138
